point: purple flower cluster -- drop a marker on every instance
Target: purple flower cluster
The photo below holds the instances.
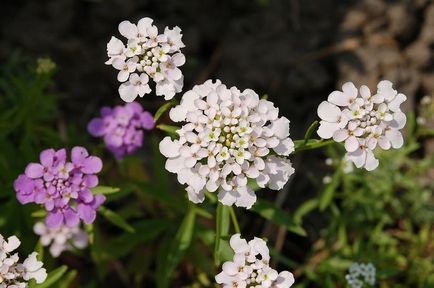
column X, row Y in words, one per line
column 62, row 186
column 122, row 127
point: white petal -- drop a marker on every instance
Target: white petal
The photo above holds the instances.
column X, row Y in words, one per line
column 329, row 112
column 365, row 92
column 352, row 144
column 340, row 135
column 280, row 127
column 285, row 147
column 395, row 104
column 169, row 148
column 339, row 98
column 371, row 161
column 246, row 199
column 395, row 138
column 349, row 89
column 128, row 29
column 12, row 244
column 384, row 143
column 327, row 129
column 127, row 92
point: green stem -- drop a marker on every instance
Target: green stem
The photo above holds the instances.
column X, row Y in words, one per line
column 234, row 220
column 311, row 144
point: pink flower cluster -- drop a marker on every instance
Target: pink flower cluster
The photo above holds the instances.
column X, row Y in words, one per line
column 122, row 127
column 62, row 186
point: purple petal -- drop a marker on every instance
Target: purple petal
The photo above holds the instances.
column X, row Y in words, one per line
column 54, row 219
column 34, row 170
column 60, row 156
column 78, row 155
column 105, row 111
column 86, row 195
column 91, row 165
column 97, row 201
column 71, row 218
column 47, row 157
column 86, row 212
column 91, row 181
column 147, row 120
column 96, row 127
column 134, row 106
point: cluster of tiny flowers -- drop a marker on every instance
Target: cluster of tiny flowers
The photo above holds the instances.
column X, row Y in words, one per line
column 228, row 138
column 363, row 121
column 61, row 238
column 147, row 54
column 122, row 127
column 360, row 275
column 250, row 267
column 62, row 186
column 14, row 274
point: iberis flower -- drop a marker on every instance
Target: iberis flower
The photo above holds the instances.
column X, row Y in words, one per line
column 360, row 275
column 250, row 267
column 228, row 138
column 147, row 54
column 122, row 127
column 61, row 238
column 14, row 274
column 363, row 121
column 62, row 186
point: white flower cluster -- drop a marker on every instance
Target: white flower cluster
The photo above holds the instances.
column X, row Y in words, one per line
column 250, row 267
column 61, row 238
column 361, row 274
column 147, row 54
column 364, row 121
column 228, row 138
column 14, row 274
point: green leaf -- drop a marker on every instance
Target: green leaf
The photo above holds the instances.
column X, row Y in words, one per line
column 222, row 230
column 171, row 130
column 115, row 219
column 68, row 279
column 270, row 212
column 304, row 208
column 311, row 144
column 104, row 190
column 176, row 249
column 146, row 230
column 52, row 277
column 327, row 195
column 310, row 131
column 164, row 108
column 39, row 214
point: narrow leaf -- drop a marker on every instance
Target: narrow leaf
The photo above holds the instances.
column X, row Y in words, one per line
column 171, row 130
column 176, row 250
column 310, row 131
column 104, row 190
column 163, row 109
column 115, row 219
column 327, row 195
column 222, row 230
column 270, row 212
column 52, row 277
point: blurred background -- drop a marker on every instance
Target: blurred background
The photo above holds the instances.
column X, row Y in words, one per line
column 294, row 51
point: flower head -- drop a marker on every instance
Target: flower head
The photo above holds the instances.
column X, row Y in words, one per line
column 61, row 238
column 62, row 186
column 228, row 138
column 363, row 121
column 147, row 54
column 360, row 274
column 122, row 127
column 250, row 267
column 14, row 274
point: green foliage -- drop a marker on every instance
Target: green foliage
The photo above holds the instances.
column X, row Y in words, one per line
column 149, row 235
